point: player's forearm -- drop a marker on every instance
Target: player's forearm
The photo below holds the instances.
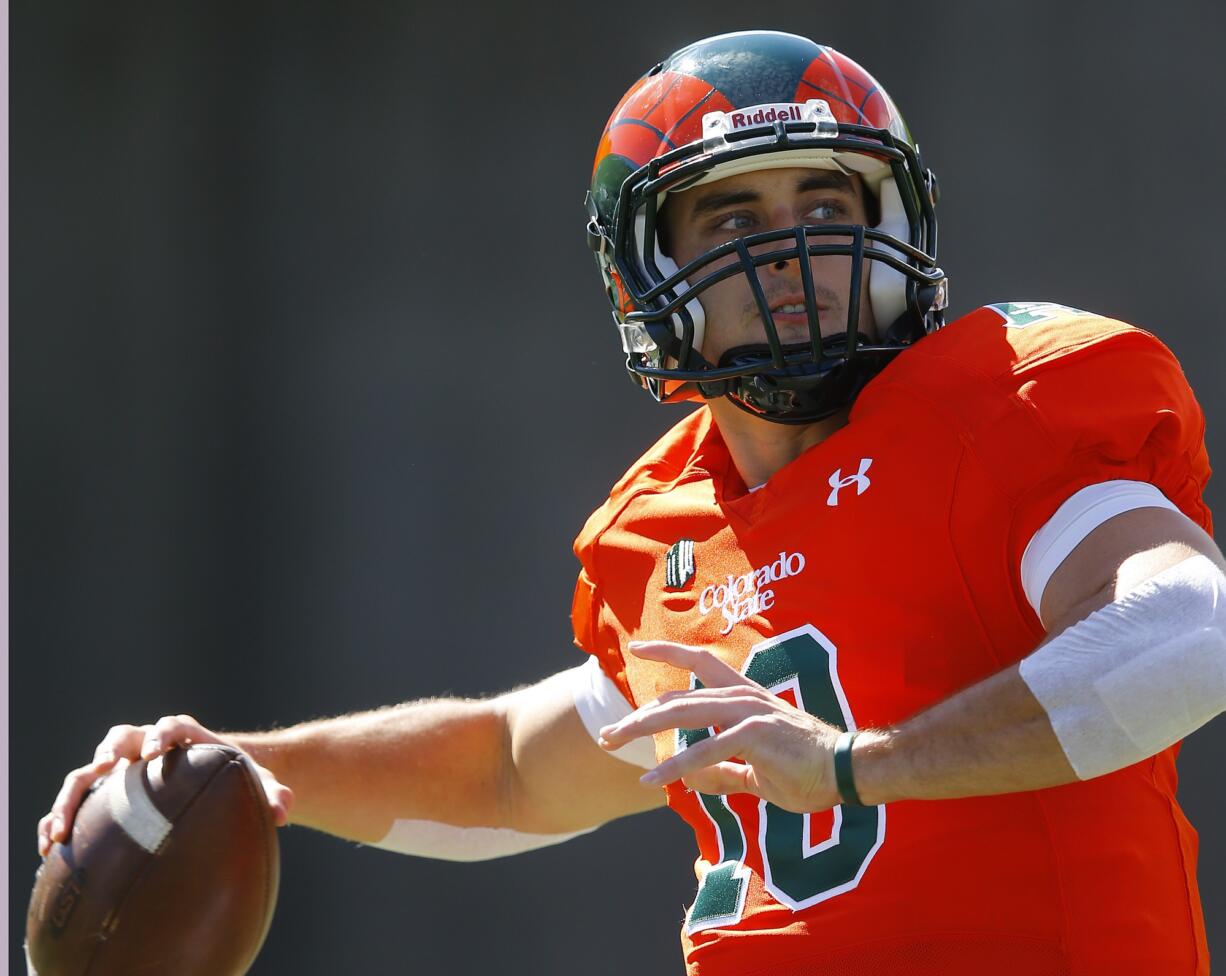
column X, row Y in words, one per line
column 993, row 737
column 353, row 776
column 1114, row 683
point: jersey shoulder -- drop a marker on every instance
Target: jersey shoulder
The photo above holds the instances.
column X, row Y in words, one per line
column 1047, row 395
column 1069, row 369
column 1005, row 340
column 673, row 459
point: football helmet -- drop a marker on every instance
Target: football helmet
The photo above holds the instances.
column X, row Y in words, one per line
column 732, row 104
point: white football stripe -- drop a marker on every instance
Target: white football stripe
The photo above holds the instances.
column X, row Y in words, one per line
column 135, row 813
column 30, row 970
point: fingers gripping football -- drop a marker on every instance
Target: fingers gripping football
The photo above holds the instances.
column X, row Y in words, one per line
column 173, row 731
column 762, row 744
column 129, row 743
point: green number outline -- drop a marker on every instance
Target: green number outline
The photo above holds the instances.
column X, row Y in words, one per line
column 720, row 899
column 1018, row 315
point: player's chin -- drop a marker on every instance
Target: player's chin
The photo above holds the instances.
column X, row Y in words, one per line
column 754, row 333
column 793, row 328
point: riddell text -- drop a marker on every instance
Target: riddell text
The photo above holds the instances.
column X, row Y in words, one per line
column 786, row 113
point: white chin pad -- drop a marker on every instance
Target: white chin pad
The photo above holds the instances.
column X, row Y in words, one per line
column 1139, row 674
column 887, row 288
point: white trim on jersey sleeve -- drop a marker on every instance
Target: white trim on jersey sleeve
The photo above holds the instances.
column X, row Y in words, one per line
column 1080, row 515
column 600, row 702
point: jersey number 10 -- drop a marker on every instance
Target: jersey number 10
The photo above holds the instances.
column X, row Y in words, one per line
column 796, row 872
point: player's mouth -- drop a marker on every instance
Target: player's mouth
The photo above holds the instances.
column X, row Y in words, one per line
column 794, row 311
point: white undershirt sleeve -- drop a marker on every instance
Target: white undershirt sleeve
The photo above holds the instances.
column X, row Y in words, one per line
column 600, row 702
column 447, row 842
column 1080, row 515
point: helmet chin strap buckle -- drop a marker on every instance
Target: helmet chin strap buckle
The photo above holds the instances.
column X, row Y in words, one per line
column 759, row 354
column 803, row 392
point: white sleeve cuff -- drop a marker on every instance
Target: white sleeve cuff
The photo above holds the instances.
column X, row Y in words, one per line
column 446, row 842
column 600, row 702
column 1080, row 515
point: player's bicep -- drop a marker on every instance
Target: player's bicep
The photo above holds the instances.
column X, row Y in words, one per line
column 1135, row 657
column 1116, row 557
column 1102, row 542
column 563, row 781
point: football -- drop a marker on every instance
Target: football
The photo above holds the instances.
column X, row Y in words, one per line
column 172, row 868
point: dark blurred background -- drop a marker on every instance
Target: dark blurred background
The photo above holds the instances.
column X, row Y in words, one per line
column 313, row 380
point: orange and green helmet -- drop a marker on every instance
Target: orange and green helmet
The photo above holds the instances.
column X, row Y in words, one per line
column 732, row 104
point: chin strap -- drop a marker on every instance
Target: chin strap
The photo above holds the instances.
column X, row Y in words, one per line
column 801, row 394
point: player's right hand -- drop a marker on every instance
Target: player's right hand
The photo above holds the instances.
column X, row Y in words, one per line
column 128, row 743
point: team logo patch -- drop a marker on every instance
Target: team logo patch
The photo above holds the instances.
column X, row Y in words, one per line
column 679, row 565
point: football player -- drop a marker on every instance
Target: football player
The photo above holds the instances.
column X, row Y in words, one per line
column 907, row 620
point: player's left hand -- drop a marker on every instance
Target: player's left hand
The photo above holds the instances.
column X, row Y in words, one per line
column 787, row 755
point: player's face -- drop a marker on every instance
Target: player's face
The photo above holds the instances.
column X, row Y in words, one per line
column 711, row 214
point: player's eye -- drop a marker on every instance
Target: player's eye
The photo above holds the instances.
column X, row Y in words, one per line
column 828, row 210
column 734, row 222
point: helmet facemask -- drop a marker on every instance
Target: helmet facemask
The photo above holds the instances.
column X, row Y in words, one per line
column 658, row 306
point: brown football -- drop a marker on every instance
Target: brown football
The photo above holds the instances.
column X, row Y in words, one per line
column 172, row 870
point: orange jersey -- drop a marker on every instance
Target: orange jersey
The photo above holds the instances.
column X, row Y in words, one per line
column 874, row 576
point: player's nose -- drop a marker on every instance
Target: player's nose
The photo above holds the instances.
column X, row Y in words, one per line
column 783, row 268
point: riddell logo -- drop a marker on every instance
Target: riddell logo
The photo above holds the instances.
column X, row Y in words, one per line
column 765, row 115
column 740, row 597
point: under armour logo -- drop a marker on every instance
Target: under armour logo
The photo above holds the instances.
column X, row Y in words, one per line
column 838, row 482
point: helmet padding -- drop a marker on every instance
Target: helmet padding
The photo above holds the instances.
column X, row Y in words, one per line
column 887, row 288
